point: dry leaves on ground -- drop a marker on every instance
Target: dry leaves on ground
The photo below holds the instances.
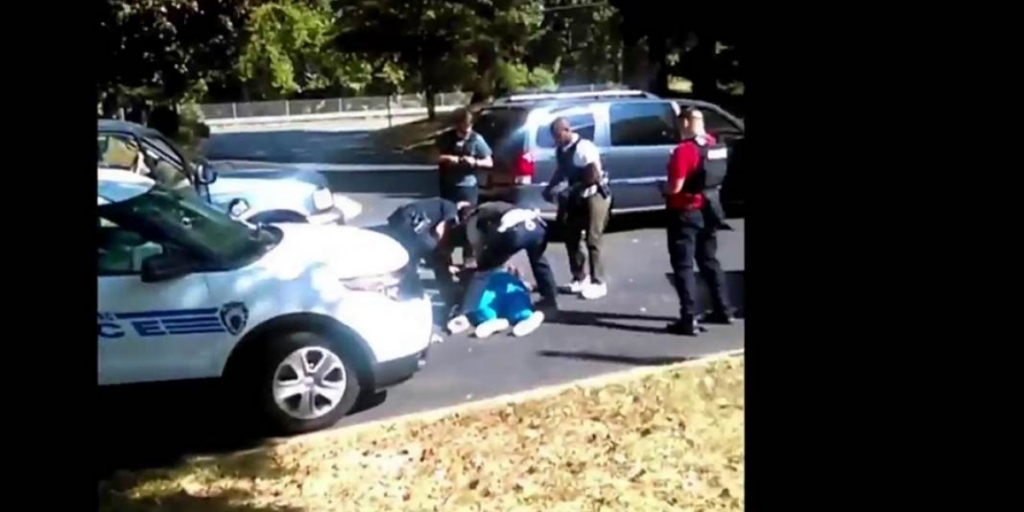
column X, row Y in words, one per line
column 668, row 441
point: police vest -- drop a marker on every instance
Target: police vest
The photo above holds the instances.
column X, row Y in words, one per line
column 566, row 156
column 711, row 170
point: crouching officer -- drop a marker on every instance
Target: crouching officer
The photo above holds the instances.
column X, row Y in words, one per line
column 695, row 174
column 425, row 229
column 497, row 231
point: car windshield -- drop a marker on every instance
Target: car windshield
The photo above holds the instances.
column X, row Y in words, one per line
column 183, row 218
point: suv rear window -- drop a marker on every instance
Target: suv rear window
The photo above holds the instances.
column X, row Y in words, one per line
column 643, row 124
column 501, row 128
column 583, row 124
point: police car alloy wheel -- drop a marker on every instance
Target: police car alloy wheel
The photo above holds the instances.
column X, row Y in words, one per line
column 305, row 381
column 309, row 383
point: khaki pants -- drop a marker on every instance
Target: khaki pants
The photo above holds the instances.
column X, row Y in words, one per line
column 586, row 221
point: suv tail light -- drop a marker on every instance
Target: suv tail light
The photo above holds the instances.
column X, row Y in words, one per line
column 523, row 168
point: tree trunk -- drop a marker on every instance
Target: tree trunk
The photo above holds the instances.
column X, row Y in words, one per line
column 658, row 53
column 431, row 93
column 109, row 105
column 701, row 67
column 484, row 85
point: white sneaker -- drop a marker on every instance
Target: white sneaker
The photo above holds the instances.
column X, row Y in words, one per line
column 575, row 286
column 490, row 327
column 594, row 291
column 529, row 325
column 458, row 324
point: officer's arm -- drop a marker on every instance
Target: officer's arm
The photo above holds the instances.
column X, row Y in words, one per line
column 442, row 146
column 556, row 178
column 683, row 161
column 484, row 159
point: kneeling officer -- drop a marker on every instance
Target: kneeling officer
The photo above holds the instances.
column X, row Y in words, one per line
column 695, row 174
column 425, row 228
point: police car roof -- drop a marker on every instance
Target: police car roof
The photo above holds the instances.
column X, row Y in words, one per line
column 113, row 186
column 116, row 125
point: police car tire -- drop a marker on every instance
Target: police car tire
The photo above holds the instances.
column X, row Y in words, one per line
column 271, row 354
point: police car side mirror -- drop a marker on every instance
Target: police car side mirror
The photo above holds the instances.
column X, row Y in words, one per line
column 165, row 267
column 205, row 174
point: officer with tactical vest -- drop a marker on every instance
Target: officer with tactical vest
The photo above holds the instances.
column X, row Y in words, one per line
column 583, row 207
column 696, row 171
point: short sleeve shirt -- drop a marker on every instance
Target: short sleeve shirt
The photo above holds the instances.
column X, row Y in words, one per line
column 586, row 153
column 473, row 146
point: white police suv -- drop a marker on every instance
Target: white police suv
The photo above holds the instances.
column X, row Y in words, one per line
column 298, row 318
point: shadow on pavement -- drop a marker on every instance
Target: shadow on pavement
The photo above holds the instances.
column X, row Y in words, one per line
column 406, row 184
column 157, row 425
column 734, row 280
column 591, row 356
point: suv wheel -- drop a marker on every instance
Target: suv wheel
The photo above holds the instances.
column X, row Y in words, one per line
column 304, row 382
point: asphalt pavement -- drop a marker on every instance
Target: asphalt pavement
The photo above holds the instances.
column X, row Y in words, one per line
column 622, row 330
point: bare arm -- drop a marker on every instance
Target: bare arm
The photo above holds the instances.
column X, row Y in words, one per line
column 591, row 157
column 556, row 179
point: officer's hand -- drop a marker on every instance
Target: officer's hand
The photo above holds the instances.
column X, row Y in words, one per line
column 546, row 194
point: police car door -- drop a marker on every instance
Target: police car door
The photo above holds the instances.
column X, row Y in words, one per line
column 150, row 331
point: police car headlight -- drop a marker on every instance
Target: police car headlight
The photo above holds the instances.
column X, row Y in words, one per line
column 323, row 199
column 237, row 207
column 387, row 284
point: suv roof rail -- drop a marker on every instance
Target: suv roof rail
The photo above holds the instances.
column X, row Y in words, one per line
column 575, row 95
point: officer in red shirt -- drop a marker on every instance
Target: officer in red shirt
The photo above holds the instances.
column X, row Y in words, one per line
column 695, row 175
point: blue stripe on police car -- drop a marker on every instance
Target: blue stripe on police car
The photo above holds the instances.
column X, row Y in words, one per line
column 230, row 318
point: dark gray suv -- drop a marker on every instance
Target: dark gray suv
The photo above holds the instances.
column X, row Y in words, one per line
column 636, row 132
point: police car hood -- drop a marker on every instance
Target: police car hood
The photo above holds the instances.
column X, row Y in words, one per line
column 348, row 252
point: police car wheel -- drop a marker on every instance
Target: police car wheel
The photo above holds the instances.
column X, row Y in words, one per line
column 307, row 382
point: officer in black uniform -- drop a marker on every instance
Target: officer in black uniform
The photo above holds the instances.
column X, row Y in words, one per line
column 696, row 171
column 497, row 231
column 426, row 230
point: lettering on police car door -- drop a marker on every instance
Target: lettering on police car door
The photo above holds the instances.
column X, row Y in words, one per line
column 229, row 318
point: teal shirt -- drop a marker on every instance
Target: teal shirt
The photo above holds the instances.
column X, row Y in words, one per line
column 473, row 146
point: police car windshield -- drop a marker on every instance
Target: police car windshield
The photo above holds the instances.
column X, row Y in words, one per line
column 182, row 217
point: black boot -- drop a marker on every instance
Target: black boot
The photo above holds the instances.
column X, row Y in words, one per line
column 548, row 306
column 716, row 317
column 685, row 327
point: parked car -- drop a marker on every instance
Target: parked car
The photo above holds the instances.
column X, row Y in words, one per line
column 636, row 132
column 298, row 318
column 251, row 191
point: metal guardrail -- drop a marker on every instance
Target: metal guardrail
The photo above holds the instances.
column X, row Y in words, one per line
column 402, row 106
column 351, row 106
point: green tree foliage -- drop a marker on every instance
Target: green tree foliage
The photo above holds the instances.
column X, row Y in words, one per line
column 702, row 45
column 172, row 49
column 167, row 49
column 288, row 50
column 581, row 41
column 445, row 45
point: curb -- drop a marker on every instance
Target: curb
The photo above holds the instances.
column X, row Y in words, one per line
column 512, row 398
